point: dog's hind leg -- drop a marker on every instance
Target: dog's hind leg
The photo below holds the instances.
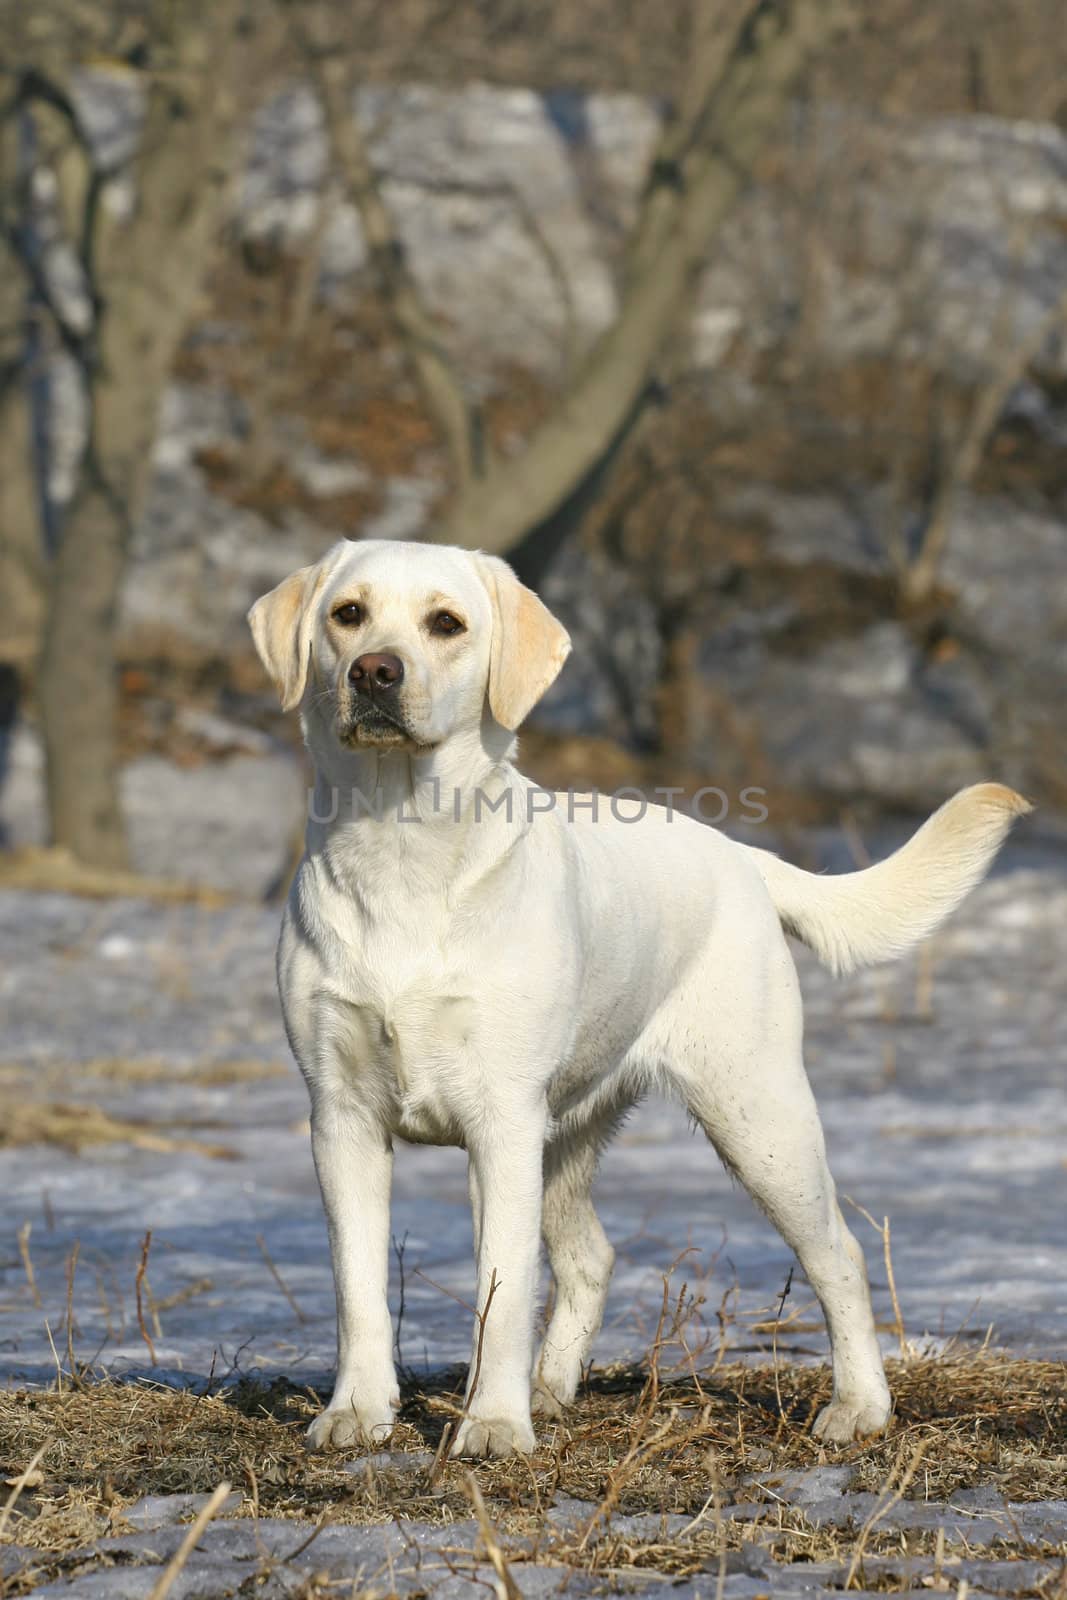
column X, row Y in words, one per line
column 581, row 1259
column 743, row 1080
column 773, row 1141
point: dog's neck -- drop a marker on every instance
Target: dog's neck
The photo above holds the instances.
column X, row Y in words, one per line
column 424, row 822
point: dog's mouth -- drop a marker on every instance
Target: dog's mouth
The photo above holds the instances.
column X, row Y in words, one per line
column 370, row 726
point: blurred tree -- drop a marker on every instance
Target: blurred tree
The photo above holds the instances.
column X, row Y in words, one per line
column 931, row 418
column 742, row 62
column 21, row 551
column 21, row 554
column 140, row 257
column 140, row 231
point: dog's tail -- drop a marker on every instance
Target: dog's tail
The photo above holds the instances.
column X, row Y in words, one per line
column 858, row 918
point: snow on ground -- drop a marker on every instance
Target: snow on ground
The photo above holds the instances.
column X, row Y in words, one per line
column 951, row 1125
column 230, row 822
column 941, row 1087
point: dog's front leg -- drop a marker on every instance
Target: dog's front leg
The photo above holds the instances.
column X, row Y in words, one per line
column 506, row 1188
column 354, row 1160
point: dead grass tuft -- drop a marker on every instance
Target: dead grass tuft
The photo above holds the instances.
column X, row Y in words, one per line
column 56, row 871
column 78, row 1127
column 138, row 1070
column 629, row 1445
column 27, row 1116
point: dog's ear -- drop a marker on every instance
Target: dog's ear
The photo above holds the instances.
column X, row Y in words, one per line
column 281, row 627
column 529, row 645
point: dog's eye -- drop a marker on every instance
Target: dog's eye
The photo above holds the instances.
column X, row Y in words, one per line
column 350, row 615
column 445, row 623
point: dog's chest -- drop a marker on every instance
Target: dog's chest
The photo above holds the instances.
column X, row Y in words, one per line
column 410, row 1048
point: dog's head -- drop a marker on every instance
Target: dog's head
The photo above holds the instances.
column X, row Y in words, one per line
column 398, row 646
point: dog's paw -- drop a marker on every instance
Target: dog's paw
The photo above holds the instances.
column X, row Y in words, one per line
column 342, row 1428
column 493, row 1436
column 844, row 1420
column 544, row 1402
column 556, row 1379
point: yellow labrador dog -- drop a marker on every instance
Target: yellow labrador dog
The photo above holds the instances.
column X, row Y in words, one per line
column 465, row 961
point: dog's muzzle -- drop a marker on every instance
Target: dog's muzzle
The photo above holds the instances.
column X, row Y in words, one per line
column 375, row 713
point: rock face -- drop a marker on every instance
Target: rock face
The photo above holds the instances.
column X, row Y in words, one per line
column 854, row 722
column 488, row 202
column 510, row 205
column 882, row 243
column 886, row 713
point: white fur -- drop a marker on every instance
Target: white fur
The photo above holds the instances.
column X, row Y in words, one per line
column 513, row 984
column 860, row 918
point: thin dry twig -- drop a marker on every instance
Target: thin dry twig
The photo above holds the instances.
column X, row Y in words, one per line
column 279, row 1280
column 139, row 1285
column 180, row 1296
column 685, row 1309
column 399, row 1248
column 189, row 1543
column 25, row 1477
column 305, row 1544
column 720, row 1581
column 451, row 1429
column 507, row 1588
column 783, row 1297
column 55, row 1356
column 72, row 1267
column 887, row 1253
column 924, row 981
column 27, row 1262
column 886, row 1504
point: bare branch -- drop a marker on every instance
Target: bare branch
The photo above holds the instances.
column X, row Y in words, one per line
column 556, row 270
column 733, row 98
column 419, row 337
column 531, row 226
column 962, row 459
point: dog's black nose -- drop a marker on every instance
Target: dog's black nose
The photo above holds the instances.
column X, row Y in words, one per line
column 374, row 675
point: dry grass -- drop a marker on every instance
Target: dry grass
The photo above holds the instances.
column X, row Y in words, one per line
column 138, row 1070
column 634, row 1442
column 74, row 1127
column 55, row 871
column 28, row 1117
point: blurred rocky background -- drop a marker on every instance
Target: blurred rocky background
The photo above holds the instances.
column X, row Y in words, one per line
column 740, row 326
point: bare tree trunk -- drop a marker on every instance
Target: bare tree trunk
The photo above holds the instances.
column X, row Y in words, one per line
column 77, row 685
column 21, row 562
column 144, row 273
column 20, row 529
column 21, row 548
column 21, row 552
